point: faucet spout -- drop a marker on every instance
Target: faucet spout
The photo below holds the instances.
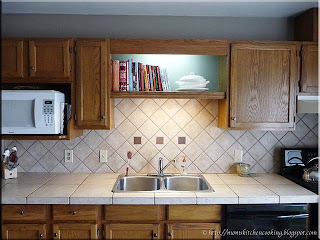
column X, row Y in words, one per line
column 161, row 168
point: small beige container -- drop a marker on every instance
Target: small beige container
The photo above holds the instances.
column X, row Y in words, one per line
column 243, row 169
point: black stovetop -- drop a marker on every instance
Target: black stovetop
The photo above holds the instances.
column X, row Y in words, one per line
column 312, row 186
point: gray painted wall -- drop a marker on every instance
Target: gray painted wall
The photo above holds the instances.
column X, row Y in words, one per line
column 39, row 25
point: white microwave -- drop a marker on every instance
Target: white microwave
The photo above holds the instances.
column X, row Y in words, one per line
column 32, row 112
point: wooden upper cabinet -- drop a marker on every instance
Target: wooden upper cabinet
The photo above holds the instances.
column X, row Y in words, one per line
column 193, row 231
column 93, row 108
column 75, row 231
column 132, row 231
column 23, row 231
column 309, row 69
column 12, row 59
column 49, row 58
column 263, row 85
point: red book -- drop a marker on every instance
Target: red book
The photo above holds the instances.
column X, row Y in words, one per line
column 159, row 78
column 123, row 76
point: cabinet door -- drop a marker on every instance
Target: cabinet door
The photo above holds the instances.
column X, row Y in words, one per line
column 132, row 231
column 12, row 58
column 49, row 58
column 193, row 231
column 263, row 84
column 23, row 231
column 309, row 69
column 75, row 231
column 92, row 59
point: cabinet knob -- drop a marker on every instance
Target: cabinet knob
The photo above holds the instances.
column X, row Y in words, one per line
column 55, row 234
column 103, row 117
column 170, row 234
column 21, row 212
column 234, row 118
column 41, row 235
column 155, row 235
column 32, row 68
column 74, row 212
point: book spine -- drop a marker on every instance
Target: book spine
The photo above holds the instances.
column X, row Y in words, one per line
column 145, row 78
column 159, row 79
column 115, row 75
column 155, row 80
column 123, row 76
column 150, row 78
column 167, row 80
column 127, row 72
column 130, row 75
column 137, row 76
column 142, row 78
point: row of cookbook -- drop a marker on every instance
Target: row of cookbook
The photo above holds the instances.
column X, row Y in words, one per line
column 135, row 76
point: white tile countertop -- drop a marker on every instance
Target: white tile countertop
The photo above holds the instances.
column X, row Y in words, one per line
column 73, row 188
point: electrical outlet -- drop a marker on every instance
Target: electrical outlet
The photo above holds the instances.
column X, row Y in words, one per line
column 238, row 154
column 103, row 155
column 68, row 156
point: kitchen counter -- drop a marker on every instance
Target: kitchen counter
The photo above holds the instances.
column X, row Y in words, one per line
column 41, row 188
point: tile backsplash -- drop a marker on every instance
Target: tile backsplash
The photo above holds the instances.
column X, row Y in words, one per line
column 184, row 127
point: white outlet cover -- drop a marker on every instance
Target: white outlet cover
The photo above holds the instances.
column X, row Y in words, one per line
column 68, row 156
column 103, row 155
column 238, row 155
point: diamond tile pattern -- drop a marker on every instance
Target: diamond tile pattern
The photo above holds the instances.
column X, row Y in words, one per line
column 208, row 148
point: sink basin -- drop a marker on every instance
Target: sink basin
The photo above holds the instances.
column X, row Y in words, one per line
column 137, row 183
column 186, row 183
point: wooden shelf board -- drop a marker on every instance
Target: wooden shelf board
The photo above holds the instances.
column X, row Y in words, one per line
column 34, row 137
column 184, row 95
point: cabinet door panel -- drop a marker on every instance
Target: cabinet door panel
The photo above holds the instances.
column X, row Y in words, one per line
column 132, row 231
column 92, row 83
column 49, row 59
column 12, row 58
column 309, row 69
column 24, row 231
column 263, row 83
column 193, row 231
column 75, row 231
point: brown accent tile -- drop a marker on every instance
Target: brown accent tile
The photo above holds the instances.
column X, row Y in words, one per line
column 181, row 140
column 159, row 140
column 137, row 140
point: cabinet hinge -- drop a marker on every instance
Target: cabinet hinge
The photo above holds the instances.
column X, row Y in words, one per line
column 294, row 118
column 70, row 68
column 70, row 49
column 98, row 232
column 75, row 117
column 103, row 233
column 75, row 49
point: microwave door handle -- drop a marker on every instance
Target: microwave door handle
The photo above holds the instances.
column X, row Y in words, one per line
column 37, row 112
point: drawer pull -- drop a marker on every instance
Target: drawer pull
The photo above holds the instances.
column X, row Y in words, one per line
column 74, row 212
column 21, row 212
column 41, row 235
column 155, row 235
column 55, row 234
column 170, row 234
column 32, row 68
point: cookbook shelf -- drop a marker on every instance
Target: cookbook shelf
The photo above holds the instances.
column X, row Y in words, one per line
column 181, row 95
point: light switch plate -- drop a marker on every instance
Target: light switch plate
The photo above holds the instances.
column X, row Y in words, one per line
column 238, row 154
column 103, row 155
column 68, row 156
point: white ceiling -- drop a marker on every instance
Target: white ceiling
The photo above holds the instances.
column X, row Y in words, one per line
column 163, row 8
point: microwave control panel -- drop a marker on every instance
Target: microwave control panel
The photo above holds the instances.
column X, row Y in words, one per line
column 48, row 111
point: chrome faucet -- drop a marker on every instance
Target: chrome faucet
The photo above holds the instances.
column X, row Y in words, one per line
column 161, row 168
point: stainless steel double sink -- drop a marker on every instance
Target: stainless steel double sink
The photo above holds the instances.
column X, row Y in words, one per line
column 158, row 184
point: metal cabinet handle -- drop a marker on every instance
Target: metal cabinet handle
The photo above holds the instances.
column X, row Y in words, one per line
column 21, row 212
column 234, row 118
column 32, row 68
column 155, row 235
column 170, row 234
column 103, row 117
column 74, row 212
column 55, row 234
column 41, row 235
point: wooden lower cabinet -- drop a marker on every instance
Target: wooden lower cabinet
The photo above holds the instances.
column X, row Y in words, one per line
column 75, row 231
column 132, row 231
column 23, row 231
column 193, row 230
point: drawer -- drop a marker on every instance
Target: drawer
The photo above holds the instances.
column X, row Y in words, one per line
column 75, row 212
column 195, row 212
column 24, row 212
column 134, row 212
